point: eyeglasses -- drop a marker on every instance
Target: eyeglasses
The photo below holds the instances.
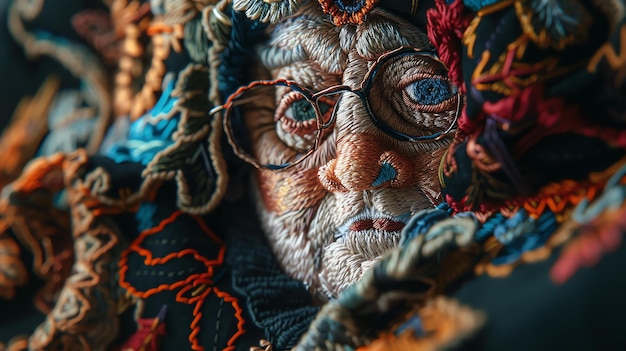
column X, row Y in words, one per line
column 300, row 116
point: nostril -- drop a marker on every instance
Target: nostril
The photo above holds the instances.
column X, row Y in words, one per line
column 387, row 173
column 392, row 170
column 395, row 169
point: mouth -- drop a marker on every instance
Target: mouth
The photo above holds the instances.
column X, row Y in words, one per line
column 371, row 233
column 384, row 224
column 370, row 219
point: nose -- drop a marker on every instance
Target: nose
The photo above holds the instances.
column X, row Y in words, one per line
column 363, row 163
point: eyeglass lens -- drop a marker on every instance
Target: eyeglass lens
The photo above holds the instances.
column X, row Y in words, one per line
column 409, row 97
column 265, row 116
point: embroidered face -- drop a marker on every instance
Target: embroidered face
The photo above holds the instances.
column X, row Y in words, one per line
column 351, row 176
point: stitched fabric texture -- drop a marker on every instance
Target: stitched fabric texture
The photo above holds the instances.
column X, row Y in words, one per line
column 312, row 175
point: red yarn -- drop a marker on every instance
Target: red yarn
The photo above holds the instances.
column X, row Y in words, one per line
column 469, row 125
column 446, row 24
column 467, row 205
column 516, row 107
column 603, row 235
column 147, row 337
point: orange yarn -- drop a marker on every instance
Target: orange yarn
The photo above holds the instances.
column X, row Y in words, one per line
column 195, row 287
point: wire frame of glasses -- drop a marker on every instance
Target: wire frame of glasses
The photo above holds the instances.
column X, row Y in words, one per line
column 394, row 58
column 301, row 116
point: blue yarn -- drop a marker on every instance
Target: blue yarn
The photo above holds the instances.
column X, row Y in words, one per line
column 387, row 172
column 616, row 177
column 429, row 91
column 146, row 138
column 278, row 304
column 60, row 201
column 541, row 230
column 421, row 222
column 235, row 63
column 487, row 229
column 454, row 226
column 501, row 230
column 236, row 57
column 166, row 102
column 444, row 207
column 350, row 7
column 613, row 197
column 415, row 324
column 476, row 5
column 145, row 216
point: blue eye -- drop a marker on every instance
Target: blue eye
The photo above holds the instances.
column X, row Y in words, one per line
column 302, row 110
column 430, row 91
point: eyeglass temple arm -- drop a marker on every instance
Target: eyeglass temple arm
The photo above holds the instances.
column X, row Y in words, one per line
column 216, row 109
column 220, row 108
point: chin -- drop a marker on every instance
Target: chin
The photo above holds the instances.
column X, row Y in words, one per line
column 342, row 268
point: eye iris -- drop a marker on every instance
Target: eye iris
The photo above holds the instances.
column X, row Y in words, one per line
column 302, row 111
column 430, row 91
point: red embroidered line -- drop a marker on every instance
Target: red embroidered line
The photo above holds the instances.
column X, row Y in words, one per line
column 238, row 315
column 199, row 301
column 162, row 287
column 151, row 261
column 558, row 202
column 195, row 328
column 191, row 282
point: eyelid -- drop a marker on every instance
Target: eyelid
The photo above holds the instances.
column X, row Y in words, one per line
column 412, row 78
column 285, row 102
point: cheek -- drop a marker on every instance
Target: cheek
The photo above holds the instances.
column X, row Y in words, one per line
column 291, row 190
column 259, row 130
column 426, row 173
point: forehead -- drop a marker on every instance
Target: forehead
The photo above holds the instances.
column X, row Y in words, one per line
column 311, row 37
column 383, row 32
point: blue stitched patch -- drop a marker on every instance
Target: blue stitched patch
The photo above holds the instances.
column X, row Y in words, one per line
column 476, row 5
column 148, row 135
column 387, row 172
column 415, row 324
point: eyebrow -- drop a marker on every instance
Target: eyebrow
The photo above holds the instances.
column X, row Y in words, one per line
column 390, row 33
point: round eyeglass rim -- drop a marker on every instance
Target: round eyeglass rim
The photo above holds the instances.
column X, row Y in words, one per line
column 226, row 122
column 362, row 91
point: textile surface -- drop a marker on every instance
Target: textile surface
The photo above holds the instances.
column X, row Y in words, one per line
column 312, row 175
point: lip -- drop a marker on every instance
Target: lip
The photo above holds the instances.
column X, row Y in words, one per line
column 385, row 224
column 370, row 220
